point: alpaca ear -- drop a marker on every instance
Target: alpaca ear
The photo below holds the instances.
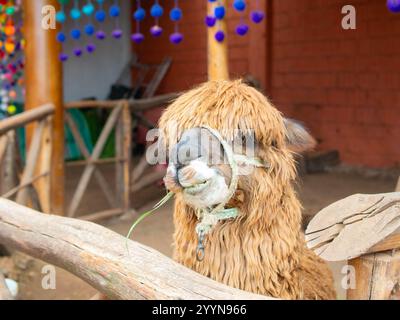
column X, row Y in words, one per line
column 298, row 138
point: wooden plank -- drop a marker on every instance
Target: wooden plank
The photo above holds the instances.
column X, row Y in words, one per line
column 139, row 169
column 85, row 152
column 87, row 174
column 392, row 242
column 135, row 105
column 26, row 117
column 31, row 161
column 218, row 65
column 102, row 258
column 397, row 186
column 107, row 214
column 99, row 162
column 3, row 146
column 10, row 165
column 127, row 154
column 44, row 165
column 13, row 191
column 147, row 180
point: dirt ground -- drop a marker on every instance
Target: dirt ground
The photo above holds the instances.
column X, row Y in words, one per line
column 316, row 192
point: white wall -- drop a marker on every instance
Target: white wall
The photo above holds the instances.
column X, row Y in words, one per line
column 93, row 74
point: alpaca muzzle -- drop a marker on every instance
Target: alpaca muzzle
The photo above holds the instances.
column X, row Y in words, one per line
column 191, row 175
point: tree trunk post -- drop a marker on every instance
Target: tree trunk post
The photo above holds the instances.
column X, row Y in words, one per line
column 218, row 64
column 43, row 75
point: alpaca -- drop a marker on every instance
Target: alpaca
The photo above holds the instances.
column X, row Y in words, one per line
column 262, row 250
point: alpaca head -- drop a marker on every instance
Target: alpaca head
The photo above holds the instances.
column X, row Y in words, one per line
column 199, row 124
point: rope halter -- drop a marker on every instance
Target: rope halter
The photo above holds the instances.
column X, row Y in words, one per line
column 208, row 219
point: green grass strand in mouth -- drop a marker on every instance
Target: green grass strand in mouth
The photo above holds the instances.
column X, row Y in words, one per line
column 148, row 213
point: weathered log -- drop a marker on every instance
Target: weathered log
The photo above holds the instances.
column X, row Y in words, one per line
column 354, row 226
column 102, row 258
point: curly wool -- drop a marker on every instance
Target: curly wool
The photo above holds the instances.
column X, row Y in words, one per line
column 263, row 250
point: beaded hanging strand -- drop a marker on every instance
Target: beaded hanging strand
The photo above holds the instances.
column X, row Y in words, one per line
column 138, row 16
column 76, row 32
column 115, row 12
column 156, row 12
column 61, row 18
column 176, row 16
column 219, row 14
column 257, row 15
column 100, row 17
column 88, row 10
column 240, row 6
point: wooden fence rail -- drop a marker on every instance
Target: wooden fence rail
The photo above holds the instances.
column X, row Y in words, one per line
column 104, row 259
column 31, row 173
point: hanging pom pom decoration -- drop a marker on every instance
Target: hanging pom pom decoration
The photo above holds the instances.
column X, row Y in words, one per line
column 217, row 13
column 156, row 12
column 100, row 17
column 61, row 18
column 88, row 10
column 75, row 15
column 257, row 16
column 139, row 15
column 242, row 28
column 115, row 12
column 11, row 56
column 393, row 5
column 176, row 16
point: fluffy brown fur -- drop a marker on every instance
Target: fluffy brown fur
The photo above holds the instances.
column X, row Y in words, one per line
column 263, row 250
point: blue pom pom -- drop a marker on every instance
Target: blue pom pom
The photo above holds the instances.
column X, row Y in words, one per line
column 88, row 9
column 61, row 17
column 140, row 14
column 76, row 34
column 156, row 11
column 239, row 5
column 61, row 37
column 115, row 11
column 176, row 14
column 100, row 16
column 219, row 12
column 89, row 29
column 75, row 14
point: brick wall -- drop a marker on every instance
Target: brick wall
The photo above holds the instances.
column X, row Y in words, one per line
column 246, row 54
column 342, row 84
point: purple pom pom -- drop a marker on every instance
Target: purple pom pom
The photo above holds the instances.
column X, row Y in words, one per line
column 90, row 48
column 393, row 5
column 137, row 37
column 257, row 16
column 156, row 31
column 176, row 38
column 101, row 35
column 63, row 57
column 211, row 21
column 117, row 34
column 220, row 36
column 242, row 29
column 78, row 52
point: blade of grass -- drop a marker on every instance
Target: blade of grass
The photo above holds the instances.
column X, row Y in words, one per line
column 146, row 214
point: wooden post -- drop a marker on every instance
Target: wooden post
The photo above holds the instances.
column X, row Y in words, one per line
column 123, row 168
column 377, row 277
column 218, row 64
column 43, row 75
